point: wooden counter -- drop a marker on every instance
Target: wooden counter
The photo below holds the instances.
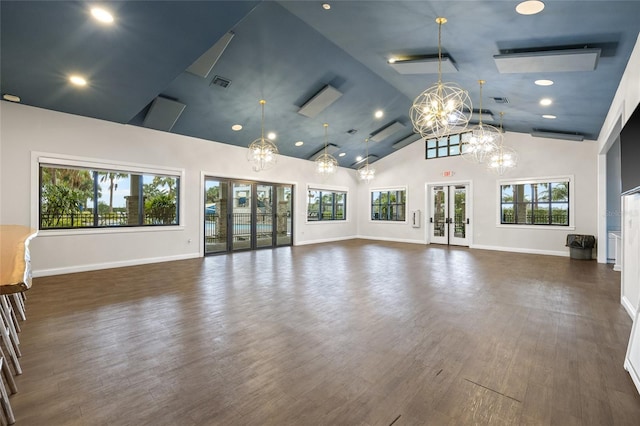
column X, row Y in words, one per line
column 15, row 265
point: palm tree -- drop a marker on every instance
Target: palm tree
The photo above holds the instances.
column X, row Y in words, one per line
column 112, row 178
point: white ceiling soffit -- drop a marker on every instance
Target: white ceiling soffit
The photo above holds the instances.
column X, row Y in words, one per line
column 406, row 141
column 163, row 114
column 548, row 61
column 387, row 131
column 557, row 135
column 371, row 158
column 321, row 100
column 423, row 66
column 204, row 64
column 331, row 149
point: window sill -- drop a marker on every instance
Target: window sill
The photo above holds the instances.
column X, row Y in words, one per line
column 545, row 227
column 114, row 230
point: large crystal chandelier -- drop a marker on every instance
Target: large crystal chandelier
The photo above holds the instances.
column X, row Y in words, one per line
column 483, row 140
column 503, row 158
column 263, row 152
column 366, row 172
column 443, row 108
column 326, row 164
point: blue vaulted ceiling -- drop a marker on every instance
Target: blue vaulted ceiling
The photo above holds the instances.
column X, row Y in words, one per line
column 286, row 51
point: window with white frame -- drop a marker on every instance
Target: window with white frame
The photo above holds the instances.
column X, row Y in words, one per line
column 389, row 205
column 326, row 205
column 76, row 195
column 537, row 202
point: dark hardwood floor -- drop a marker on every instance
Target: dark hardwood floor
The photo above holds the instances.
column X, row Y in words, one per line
column 349, row 333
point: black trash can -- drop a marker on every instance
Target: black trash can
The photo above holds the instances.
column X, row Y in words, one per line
column 581, row 246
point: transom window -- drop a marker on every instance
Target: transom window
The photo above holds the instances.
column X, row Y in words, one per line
column 388, row 205
column 535, row 203
column 446, row 146
column 326, row 205
column 78, row 197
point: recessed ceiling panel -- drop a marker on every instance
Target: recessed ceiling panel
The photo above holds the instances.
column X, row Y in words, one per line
column 320, row 101
column 163, row 114
column 423, row 66
column 565, row 60
column 387, row 131
column 331, row 149
column 557, row 135
column 205, row 63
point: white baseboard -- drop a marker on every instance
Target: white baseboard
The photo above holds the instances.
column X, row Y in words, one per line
column 521, row 250
column 109, row 265
column 323, row 240
column 633, row 373
column 393, row 240
column 628, row 307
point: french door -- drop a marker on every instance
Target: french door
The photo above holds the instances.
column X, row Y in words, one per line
column 449, row 220
column 246, row 215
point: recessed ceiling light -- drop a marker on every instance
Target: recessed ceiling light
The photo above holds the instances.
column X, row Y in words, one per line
column 378, row 114
column 78, row 80
column 342, row 154
column 326, row 6
column 272, row 136
column 546, row 101
column 530, row 7
column 359, row 158
column 236, row 127
column 544, row 82
column 102, row 15
column 299, row 143
column 11, row 98
column 549, row 116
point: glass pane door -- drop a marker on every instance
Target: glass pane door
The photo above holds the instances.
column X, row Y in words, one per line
column 439, row 218
column 284, row 230
column 215, row 216
column 264, row 215
column 459, row 214
column 241, row 223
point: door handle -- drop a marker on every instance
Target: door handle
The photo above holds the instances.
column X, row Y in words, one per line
column 430, row 220
column 467, row 221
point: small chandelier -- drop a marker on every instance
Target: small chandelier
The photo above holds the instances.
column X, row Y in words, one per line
column 484, row 139
column 263, row 152
column 443, row 108
column 326, row 164
column 503, row 158
column 366, row 172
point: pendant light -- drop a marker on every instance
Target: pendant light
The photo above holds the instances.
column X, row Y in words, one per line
column 263, row 152
column 326, row 164
column 443, row 108
column 483, row 140
column 366, row 172
column 503, row 158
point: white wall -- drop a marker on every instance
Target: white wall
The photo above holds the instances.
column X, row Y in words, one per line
column 538, row 157
column 25, row 130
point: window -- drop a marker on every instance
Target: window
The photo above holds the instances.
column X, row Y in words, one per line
column 446, row 146
column 326, row 205
column 388, row 205
column 535, row 203
column 78, row 197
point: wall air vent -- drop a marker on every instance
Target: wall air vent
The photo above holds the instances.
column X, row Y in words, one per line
column 500, row 101
column 205, row 63
column 423, row 65
column 551, row 134
column 371, row 158
column 331, row 149
column 406, row 141
column 221, row 81
column 551, row 60
column 385, row 132
column 163, row 114
column 320, row 101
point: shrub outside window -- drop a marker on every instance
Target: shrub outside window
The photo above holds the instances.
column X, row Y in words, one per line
column 325, row 205
column 77, row 197
column 536, row 203
column 388, row 205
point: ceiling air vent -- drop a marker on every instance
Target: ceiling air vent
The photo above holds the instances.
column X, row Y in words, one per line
column 501, row 100
column 352, row 131
column 221, row 81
